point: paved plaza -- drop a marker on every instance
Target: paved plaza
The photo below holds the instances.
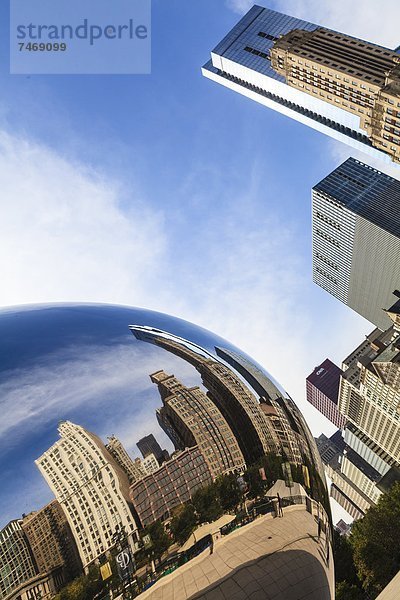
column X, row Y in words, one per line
column 271, row 558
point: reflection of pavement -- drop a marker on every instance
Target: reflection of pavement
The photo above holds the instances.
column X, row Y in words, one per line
column 277, row 558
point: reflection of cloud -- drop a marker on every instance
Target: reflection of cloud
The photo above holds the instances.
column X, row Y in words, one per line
column 110, row 379
column 107, row 389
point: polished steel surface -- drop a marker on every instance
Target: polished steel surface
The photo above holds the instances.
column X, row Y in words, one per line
column 237, row 456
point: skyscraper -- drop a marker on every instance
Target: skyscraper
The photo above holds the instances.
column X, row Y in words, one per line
column 91, row 488
column 190, row 418
column 369, row 394
column 356, row 238
column 353, row 480
column 337, row 84
column 322, row 388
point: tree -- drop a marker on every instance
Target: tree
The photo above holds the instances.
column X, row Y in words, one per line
column 345, row 591
column 376, row 542
column 345, row 569
column 207, row 504
column 160, row 540
column 183, row 522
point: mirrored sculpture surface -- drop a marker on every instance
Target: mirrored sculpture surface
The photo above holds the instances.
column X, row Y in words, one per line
column 155, row 458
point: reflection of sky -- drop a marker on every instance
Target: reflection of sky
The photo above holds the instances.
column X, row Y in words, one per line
column 80, row 363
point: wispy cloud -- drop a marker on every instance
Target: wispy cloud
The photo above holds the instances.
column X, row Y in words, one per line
column 63, row 233
column 240, row 6
column 381, row 28
column 111, row 381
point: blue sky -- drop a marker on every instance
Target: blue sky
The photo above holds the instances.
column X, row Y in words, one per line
column 170, row 192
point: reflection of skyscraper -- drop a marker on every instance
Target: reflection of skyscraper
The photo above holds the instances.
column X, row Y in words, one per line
column 356, row 238
column 149, row 445
column 91, row 488
column 251, row 427
column 156, row 495
column 52, row 542
column 191, row 418
column 272, row 424
column 16, row 561
column 339, row 85
column 130, row 467
column 276, row 405
column 322, row 387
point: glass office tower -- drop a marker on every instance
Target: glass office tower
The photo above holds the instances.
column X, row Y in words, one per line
column 356, row 238
column 310, row 79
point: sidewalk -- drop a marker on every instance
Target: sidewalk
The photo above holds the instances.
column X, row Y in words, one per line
column 280, row 559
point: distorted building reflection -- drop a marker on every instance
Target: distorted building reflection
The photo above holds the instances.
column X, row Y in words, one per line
column 227, row 497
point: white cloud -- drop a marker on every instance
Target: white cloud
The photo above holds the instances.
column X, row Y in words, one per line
column 63, row 234
column 240, row 6
column 361, row 18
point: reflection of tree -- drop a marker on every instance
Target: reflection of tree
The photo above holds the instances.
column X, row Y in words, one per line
column 183, row 522
column 228, row 492
column 84, row 587
column 160, row 540
column 207, row 504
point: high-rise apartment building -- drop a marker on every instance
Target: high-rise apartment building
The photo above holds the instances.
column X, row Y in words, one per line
column 330, row 449
column 155, row 496
column 133, row 469
column 91, row 488
column 322, row 389
column 288, row 425
column 347, row 471
column 52, row 543
column 149, row 445
column 369, row 394
column 337, row 84
column 356, row 238
column 190, row 418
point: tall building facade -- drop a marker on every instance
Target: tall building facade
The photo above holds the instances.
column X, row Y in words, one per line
column 155, row 496
column 190, row 418
column 133, row 469
column 369, row 394
column 356, row 238
column 91, row 488
column 348, row 474
column 322, row 391
column 337, row 84
column 51, row 541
